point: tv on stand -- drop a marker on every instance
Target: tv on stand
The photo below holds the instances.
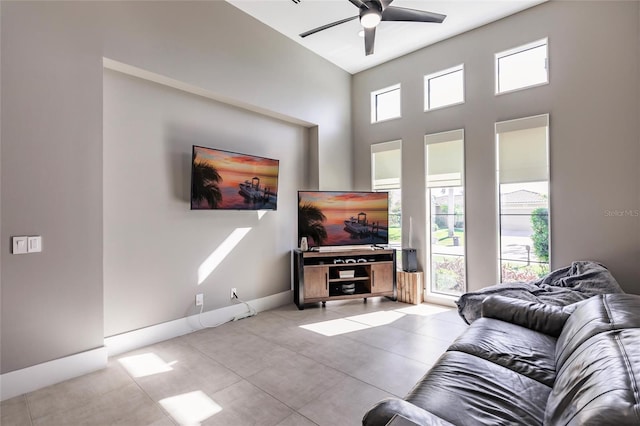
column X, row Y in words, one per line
column 343, row 220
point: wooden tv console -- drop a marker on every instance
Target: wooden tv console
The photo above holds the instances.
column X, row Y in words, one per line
column 322, row 276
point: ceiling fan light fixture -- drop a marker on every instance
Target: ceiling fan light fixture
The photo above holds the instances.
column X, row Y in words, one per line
column 369, row 18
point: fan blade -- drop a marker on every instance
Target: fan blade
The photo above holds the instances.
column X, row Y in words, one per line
column 393, row 13
column 369, row 38
column 385, row 3
column 357, row 3
column 324, row 27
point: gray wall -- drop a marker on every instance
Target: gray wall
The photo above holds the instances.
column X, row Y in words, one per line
column 153, row 244
column 592, row 100
column 52, row 154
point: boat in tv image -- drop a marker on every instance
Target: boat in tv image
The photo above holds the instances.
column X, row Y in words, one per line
column 337, row 218
column 225, row 180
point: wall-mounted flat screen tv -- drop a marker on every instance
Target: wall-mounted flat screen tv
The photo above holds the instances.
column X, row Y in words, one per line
column 337, row 218
column 224, row 180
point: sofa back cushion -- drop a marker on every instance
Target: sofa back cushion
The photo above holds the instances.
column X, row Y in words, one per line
column 598, row 383
column 597, row 315
column 598, row 364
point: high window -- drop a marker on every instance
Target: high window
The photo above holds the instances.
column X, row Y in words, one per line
column 385, row 104
column 522, row 148
column 444, row 88
column 522, row 67
column 386, row 163
column 445, row 204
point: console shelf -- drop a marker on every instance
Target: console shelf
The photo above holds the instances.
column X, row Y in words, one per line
column 339, row 275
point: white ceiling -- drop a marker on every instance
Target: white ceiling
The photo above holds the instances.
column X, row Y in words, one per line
column 342, row 45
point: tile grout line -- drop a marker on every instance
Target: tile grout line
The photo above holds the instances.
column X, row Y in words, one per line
column 162, row 410
column 26, row 400
column 247, row 379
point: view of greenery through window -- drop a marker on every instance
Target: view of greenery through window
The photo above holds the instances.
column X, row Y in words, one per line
column 524, row 231
column 447, row 240
column 395, row 219
column 445, row 195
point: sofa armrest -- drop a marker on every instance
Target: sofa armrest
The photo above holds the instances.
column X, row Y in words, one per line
column 383, row 412
column 547, row 319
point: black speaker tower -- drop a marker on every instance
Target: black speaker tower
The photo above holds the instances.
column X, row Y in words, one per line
column 409, row 260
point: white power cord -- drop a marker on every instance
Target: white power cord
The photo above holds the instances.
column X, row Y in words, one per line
column 252, row 312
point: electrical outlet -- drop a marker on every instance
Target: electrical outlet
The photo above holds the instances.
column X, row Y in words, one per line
column 234, row 293
column 199, row 299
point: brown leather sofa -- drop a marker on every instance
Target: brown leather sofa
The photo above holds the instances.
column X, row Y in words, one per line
column 525, row 363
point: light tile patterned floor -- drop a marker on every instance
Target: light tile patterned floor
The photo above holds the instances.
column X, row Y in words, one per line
column 285, row 367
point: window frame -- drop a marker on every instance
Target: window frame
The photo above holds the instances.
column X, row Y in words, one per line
column 521, row 124
column 385, row 147
column 438, row 74
column 514, row 51
column 374, row 103
column 448, row 136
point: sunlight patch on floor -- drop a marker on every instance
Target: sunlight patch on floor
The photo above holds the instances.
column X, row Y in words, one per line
column 190, row 408
column 423, row 310
column 145, row 364
column 375, row 319
column 335, row 327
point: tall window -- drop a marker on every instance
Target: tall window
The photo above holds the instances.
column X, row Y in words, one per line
column 522, row 147
column 386, row 163
column 385, row 104
column 445, row 198
column 523, row 66
column 444, row 88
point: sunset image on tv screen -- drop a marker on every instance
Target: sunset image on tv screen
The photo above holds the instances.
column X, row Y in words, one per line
column 233, row 181
column 332, row 218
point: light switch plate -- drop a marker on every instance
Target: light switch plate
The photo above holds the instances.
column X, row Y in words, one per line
column 19, row 245
column 34, row 244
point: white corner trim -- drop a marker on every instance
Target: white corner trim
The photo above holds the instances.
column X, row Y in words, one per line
column 48, row 373
column 135, row 339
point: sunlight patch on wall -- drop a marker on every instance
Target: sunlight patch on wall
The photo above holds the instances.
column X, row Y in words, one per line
column 190, row 408
column 261, row 213
column 219, row 254
column 145, row 364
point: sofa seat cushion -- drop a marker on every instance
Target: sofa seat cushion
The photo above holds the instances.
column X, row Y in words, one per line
column 383, row 412
column 599, row 382
column 464, row 389
column 517, row 348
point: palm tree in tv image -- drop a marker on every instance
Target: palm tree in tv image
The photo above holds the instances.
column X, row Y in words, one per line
column 204, row 185
column 310, row 220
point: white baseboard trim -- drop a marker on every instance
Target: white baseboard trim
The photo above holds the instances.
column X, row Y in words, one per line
column 32, row 378
column 48, row 373
column 131, row 340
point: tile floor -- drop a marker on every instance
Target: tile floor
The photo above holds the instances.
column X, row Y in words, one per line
column 285, row 367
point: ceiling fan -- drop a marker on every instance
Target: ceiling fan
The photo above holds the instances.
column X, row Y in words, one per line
column 374, row 11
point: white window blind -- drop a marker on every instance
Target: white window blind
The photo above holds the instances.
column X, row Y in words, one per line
column 445, row 159
column 386, row 165
column 522, row 150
